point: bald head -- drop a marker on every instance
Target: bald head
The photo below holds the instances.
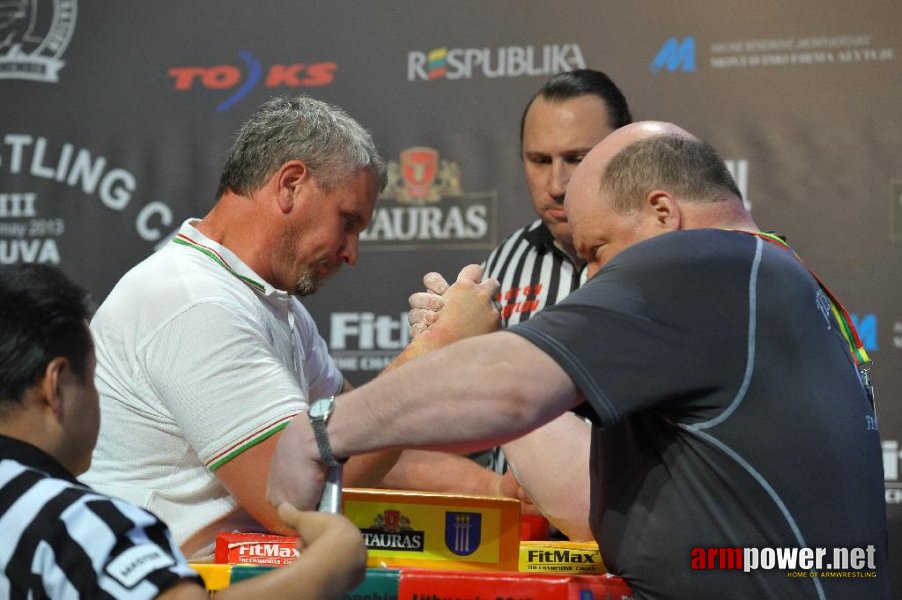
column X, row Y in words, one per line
column 646, row 179
column 642, row 157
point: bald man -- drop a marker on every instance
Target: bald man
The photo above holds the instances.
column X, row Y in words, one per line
column 729, row 411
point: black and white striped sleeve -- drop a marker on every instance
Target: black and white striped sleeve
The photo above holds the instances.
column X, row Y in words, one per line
column 62, row 540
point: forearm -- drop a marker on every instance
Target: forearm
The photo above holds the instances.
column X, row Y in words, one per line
column 368, row 470
column 441, row 472
column 471, row 395
column 552, row 465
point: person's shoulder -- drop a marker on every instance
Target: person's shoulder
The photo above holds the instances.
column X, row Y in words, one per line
column 522, row 235
column 519, row 234
column 169, row 281
column 689, row 245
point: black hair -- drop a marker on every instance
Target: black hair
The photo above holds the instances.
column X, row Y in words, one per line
column 584, row 82
column 43, row 315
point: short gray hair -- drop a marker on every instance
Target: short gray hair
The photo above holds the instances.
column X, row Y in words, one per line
column 330, row 143
column 688, row 167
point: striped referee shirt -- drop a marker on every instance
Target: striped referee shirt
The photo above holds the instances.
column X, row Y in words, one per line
column 60, row 539
column 533, row 272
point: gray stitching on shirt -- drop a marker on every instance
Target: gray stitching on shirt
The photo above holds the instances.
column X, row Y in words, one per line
column 764, row 485
column 567, row 356
column 750, row 360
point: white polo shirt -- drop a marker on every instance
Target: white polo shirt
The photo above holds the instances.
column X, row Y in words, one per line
column 198, row 359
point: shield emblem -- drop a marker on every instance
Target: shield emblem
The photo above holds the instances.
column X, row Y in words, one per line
column 419, row 167
column 463, row 532
column 392, row 520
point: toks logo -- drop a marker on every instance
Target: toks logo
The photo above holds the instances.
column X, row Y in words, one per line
column 229, row 77
column 423, row 205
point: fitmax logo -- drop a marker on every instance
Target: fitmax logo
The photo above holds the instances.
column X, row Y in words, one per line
column 675, row 55
column 229, row 77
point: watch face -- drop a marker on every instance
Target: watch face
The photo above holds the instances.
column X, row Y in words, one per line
column 320, row 408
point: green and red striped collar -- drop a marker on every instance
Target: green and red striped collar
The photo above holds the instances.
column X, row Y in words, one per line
column 190, row 237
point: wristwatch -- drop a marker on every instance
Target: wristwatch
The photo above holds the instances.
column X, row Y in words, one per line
column 319, row 412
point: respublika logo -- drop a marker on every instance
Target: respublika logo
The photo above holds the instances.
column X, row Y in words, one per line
column 32, row 41
column 892, row 457
column 675, row 55
column 230, row 77
column 492, row 63
column 424, row 206
column 867, row 330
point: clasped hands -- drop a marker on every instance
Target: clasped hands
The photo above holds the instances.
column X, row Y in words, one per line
column 449, row 313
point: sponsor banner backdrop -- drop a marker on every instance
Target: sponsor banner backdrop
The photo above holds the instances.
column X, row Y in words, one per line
column 114, row 119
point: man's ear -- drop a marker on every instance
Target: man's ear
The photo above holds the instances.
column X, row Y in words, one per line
column 51, row 385
column 289, row 180
column 665, row 210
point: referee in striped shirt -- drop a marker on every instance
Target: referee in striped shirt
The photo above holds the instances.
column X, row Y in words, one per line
column 537, row 265
column 61, row 539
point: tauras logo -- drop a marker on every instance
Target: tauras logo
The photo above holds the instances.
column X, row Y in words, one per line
column 32, row 41
column 492, row 63
column 424, row 205
column 392, row 530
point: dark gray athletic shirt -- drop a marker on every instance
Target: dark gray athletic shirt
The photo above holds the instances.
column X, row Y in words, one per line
column 729, row 414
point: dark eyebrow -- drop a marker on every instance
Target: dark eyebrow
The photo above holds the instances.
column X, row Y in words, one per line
column 356, row 219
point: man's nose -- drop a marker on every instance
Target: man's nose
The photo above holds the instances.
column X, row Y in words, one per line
column 349, row 250
column 558, row 179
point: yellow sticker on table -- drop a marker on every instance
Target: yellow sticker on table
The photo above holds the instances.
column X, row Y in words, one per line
column 417, row 531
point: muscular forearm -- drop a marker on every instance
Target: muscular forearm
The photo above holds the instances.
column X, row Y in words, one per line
column 473, row 394
column 442, row 472
column 552, row 465
column 368, row 470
